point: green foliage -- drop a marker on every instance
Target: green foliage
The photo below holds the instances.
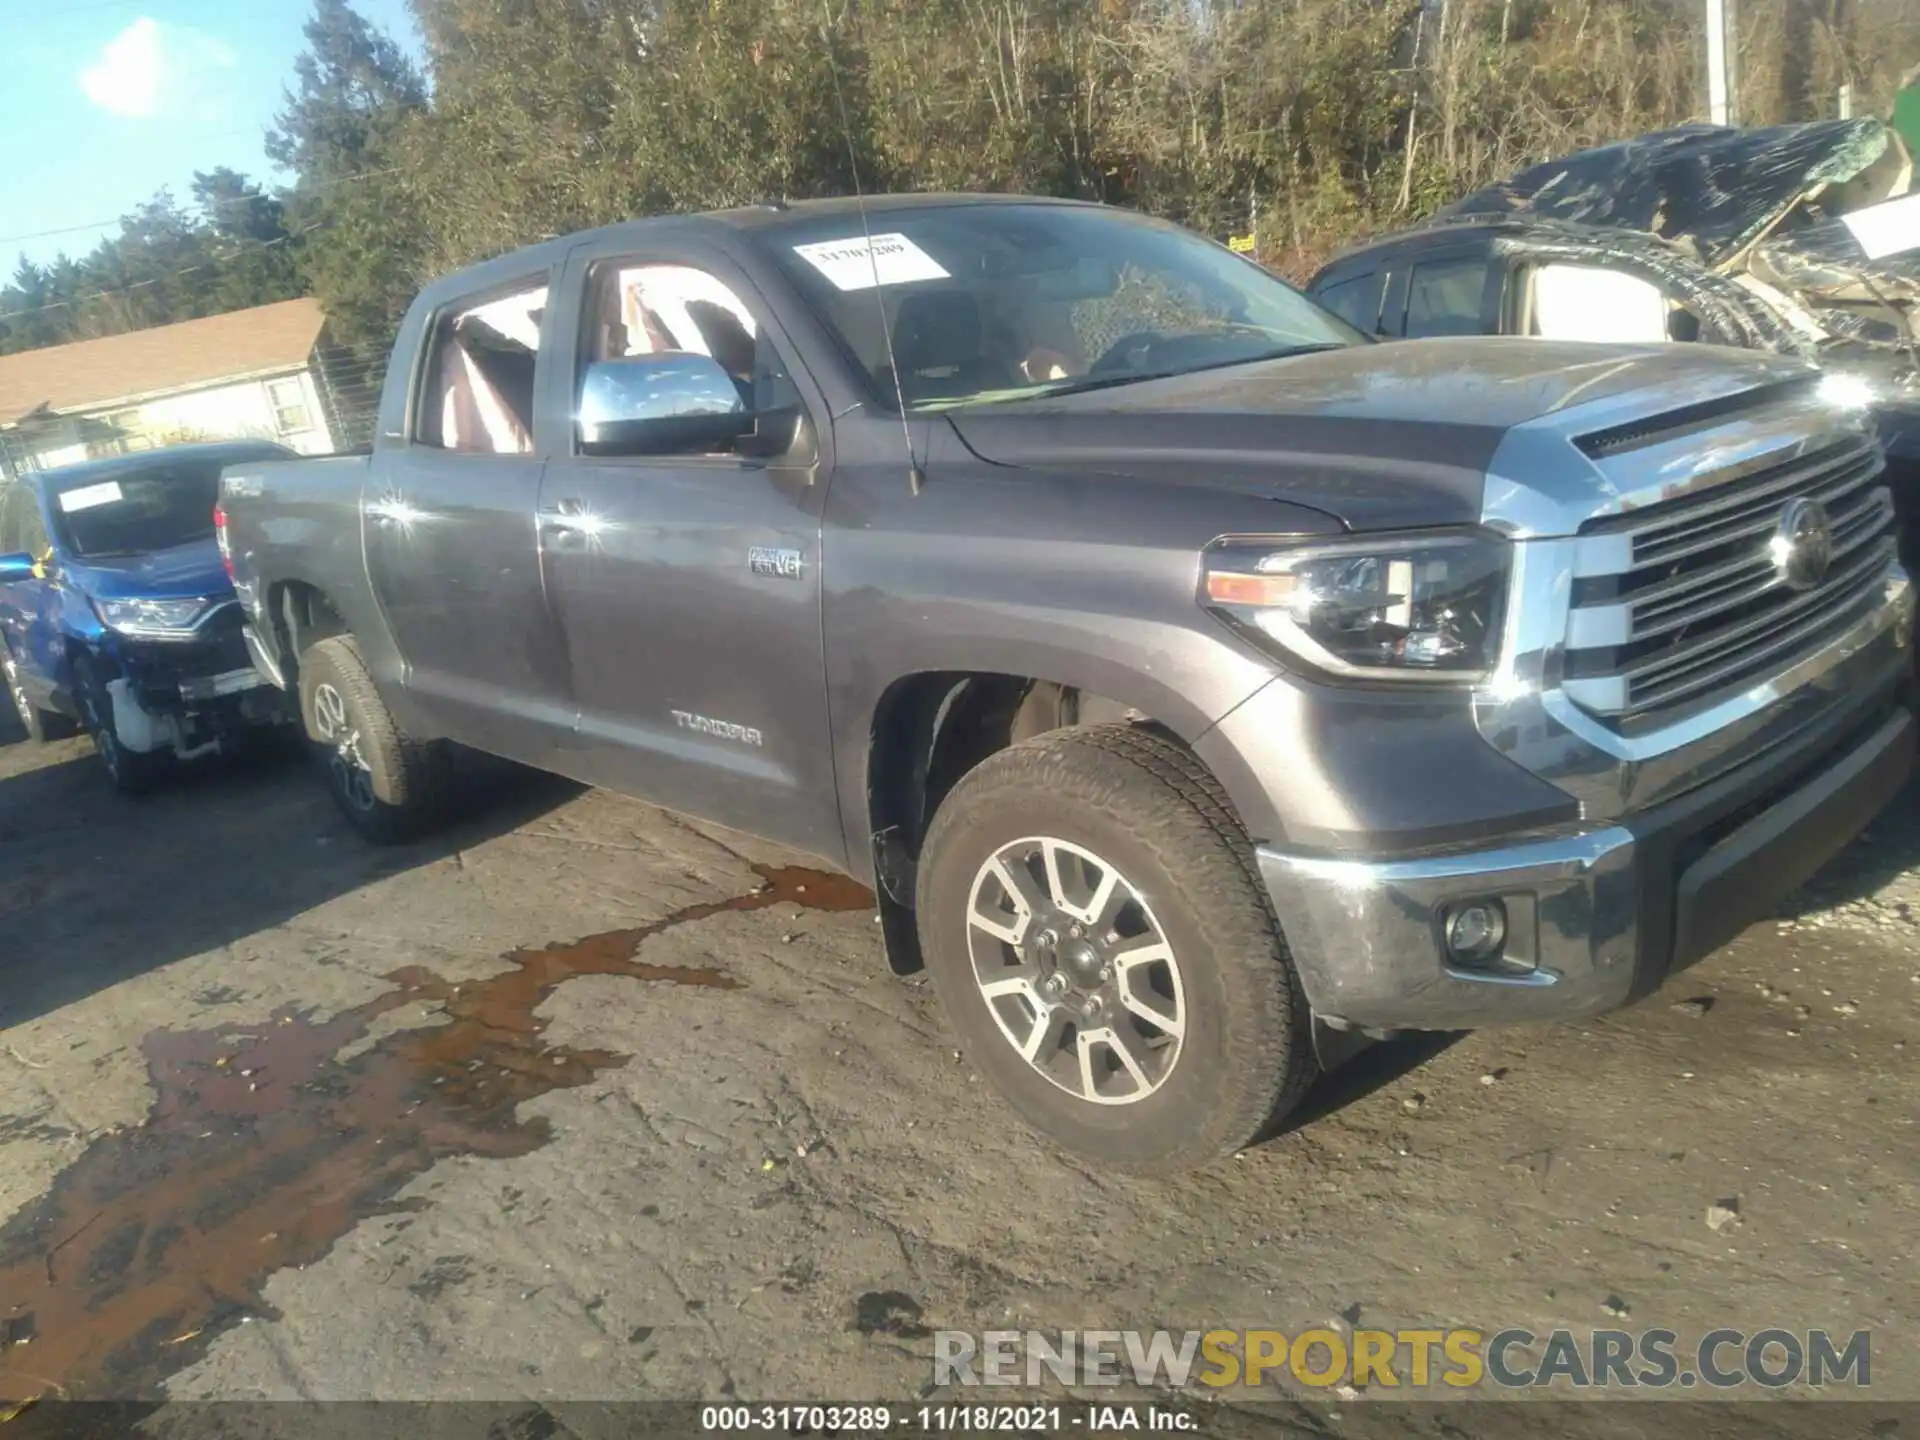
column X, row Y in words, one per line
column 343, row 133
column 230, row 251
column 1309, row 121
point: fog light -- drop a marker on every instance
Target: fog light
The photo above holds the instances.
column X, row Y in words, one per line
column 1476, row 931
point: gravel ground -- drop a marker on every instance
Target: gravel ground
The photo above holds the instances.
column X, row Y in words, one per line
column 579, row 1101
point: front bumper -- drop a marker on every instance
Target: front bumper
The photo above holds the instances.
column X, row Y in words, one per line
column 1595, row 919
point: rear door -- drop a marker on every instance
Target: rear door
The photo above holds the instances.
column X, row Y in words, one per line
column 688, row 583
column 452, row 550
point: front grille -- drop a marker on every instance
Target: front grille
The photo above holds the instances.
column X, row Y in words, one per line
column 1678, row 604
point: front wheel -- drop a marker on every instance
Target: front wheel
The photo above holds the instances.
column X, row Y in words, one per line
column 1096, row 928
column 41, row 725
column 389, row 787
column 133, row 772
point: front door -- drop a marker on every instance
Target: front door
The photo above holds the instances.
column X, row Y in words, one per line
column 688, row 584
column 452, row 548
column 29, row 609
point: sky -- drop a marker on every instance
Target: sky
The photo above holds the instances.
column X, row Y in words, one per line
column 105, row 102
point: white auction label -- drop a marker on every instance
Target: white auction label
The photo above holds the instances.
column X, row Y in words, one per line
column 860, row 263
column 88, row 496
column 1887, row 229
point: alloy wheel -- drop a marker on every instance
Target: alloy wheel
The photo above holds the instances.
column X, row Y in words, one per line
column 347, row 766
column 1076, row 971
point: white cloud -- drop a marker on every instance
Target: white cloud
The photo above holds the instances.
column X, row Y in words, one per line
column 147, row 66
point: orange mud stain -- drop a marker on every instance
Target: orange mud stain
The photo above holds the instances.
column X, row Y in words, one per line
column 262, row 1150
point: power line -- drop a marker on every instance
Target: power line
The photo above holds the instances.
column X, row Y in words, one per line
column 73, row 300
column 239, row 199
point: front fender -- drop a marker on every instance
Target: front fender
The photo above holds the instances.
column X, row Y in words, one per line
column 1197, row 677
column 1086, row 581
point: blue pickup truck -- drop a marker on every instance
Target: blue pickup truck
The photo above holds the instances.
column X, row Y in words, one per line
column 117, row 614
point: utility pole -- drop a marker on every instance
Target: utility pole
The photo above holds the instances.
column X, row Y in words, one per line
column 1722, row 38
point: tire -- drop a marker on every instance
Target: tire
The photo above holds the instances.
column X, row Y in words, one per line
column 133, row 772
column 42, row 726
column 390, row 788
column 1228, row 1049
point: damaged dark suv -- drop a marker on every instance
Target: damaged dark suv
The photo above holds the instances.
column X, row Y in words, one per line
column 1799, row 239
column 117, row 614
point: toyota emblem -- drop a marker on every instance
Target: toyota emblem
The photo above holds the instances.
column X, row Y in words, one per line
column 1802, row 544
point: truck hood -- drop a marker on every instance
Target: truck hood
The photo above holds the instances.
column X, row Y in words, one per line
column 1378, row 436
column 179, row 571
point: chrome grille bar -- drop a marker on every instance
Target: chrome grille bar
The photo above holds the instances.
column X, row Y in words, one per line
column 1685, row 601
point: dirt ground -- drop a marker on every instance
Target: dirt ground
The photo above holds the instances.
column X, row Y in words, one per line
column 577, row 1101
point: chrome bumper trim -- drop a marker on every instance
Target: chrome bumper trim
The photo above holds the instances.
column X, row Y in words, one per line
column 1365, row 935
column 1593, row 919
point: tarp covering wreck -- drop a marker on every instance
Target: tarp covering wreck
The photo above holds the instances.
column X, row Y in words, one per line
column 1802, row 208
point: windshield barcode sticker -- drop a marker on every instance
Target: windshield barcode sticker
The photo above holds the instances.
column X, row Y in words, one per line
column 88, row 496
column 860, row 264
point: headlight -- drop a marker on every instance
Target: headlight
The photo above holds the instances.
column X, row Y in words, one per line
column 1387, row 607
column 150, row 617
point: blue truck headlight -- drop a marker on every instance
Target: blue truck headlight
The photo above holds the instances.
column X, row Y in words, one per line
column 151, row 618
column 1423, row 607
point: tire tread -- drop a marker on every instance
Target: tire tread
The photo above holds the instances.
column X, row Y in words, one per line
column 1162, row 792
column 417, row 772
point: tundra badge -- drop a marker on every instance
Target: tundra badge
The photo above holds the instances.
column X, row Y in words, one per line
column 719, row 729
column 774, row 564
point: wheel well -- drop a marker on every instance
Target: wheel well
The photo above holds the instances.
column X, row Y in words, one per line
column 302, row 615
column 928, row 731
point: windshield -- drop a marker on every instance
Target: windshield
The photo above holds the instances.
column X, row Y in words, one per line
column 995, row 302
column 136, row 511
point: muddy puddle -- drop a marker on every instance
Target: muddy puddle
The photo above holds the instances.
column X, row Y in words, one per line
column 261, row 1150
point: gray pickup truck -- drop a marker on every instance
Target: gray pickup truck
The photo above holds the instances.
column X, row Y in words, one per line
column 1202, row 688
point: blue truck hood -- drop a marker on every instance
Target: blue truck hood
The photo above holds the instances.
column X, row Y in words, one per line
column 180, row 571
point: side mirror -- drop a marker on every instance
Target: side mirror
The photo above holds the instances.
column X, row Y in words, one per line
column 673, row 403
column 15, row 568
column 773, row 434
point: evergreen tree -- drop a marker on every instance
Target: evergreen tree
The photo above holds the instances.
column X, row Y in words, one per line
column 342, row 133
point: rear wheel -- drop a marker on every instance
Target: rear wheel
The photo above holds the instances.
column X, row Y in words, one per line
column 41, row 725
column 133, row 772
column 1095, row 925
column 390, row 788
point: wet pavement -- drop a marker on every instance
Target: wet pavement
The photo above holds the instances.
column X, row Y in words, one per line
column 266, row 1143
column 578, row 1101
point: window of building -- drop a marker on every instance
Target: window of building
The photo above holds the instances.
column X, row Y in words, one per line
column 289, row 400
column 126, row 434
